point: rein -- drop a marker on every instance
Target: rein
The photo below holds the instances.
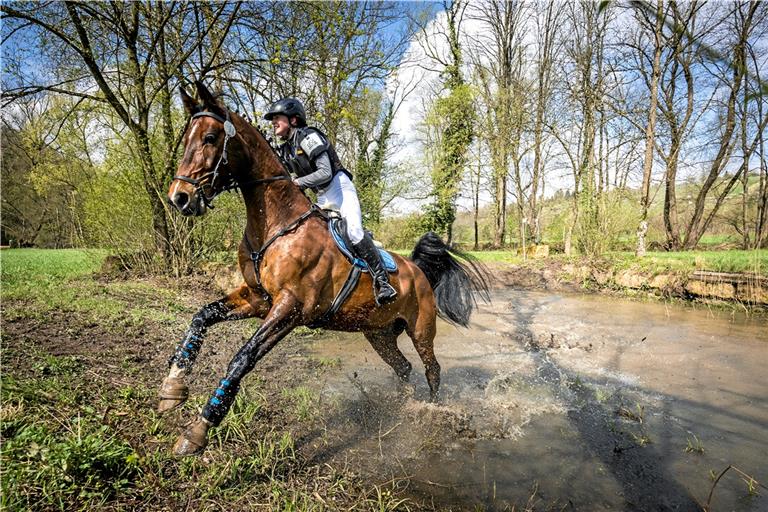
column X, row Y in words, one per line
column 232, row 183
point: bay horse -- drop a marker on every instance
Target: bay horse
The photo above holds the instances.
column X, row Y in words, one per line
column 292, row 269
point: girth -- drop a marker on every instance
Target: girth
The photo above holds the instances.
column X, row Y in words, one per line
column 349, row 285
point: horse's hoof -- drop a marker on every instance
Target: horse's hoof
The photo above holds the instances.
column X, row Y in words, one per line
column 173, row 393
column 193, row 440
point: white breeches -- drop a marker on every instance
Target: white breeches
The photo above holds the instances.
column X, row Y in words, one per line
column 342, row 195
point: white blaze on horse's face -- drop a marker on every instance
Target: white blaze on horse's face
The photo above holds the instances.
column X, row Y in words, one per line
column 201, row 151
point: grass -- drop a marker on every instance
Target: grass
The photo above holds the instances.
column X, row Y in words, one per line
column 755, row 261
column 73, row 440
column 655, row 261
column 38, row 282
column 304, row 402
column 694, row 445
column 79, row 431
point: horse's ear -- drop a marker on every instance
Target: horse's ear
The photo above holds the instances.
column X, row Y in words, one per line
column 189, row 103
column 209, row 101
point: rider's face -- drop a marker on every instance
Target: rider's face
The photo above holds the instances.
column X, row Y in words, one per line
column 281, row 125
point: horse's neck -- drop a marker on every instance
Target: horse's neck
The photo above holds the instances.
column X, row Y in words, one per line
column 273, row 205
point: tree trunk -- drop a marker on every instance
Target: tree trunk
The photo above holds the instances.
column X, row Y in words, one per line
column 650, row 130
column 696, row 227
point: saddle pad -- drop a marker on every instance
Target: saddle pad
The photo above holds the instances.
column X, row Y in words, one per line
column 337, row 228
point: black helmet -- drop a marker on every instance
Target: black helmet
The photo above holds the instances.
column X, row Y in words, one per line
column 288, row 107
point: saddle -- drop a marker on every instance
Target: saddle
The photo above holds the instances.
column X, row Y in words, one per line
column 337, row 226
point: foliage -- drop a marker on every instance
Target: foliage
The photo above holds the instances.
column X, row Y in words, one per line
column 401, row 233
column 453, row 119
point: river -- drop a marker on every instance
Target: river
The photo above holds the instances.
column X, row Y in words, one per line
column 585, row 402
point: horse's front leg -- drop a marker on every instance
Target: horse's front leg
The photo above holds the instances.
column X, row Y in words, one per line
column 282, row 318
column 241, row 303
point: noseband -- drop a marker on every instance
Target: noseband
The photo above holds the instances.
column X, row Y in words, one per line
column 232, row 182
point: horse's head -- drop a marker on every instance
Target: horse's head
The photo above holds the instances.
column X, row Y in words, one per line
column 213, row 155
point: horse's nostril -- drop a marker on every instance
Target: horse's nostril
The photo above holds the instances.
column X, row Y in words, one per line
column 180, row 199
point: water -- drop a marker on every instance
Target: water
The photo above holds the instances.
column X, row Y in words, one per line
column 582, row 402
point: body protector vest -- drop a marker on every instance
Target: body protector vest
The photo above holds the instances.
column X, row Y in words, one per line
column 302, row 150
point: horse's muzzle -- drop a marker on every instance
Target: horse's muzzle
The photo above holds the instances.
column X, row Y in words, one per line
column 188, row 204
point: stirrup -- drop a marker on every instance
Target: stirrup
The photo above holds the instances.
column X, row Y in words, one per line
column 385, row 294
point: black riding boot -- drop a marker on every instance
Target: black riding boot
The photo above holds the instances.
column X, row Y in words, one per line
column 382, row 290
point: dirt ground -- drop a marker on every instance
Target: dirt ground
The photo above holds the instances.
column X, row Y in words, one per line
column 514, row 390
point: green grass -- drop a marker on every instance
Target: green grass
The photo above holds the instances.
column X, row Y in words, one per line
column 39, row 281
column 655, row 262
column 45, row 268
column 71, row 440
column 719, row 261
column 79, row 432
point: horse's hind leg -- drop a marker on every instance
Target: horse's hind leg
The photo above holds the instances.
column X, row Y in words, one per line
column 423, row 336
column 241, row 303
column 384, row 342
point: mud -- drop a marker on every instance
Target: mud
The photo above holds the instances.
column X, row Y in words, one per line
column 556, row 401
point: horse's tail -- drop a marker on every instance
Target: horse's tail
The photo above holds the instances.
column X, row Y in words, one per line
column 453, row 282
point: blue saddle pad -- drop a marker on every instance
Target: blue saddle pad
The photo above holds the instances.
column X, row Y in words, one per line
column 336, row 227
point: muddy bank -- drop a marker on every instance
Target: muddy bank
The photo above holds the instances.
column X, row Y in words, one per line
column 555, row 275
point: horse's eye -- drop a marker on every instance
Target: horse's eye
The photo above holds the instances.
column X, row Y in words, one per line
column 210, row 138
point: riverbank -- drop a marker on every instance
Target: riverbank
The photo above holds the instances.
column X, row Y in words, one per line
column 633, row 279
column 729, row 277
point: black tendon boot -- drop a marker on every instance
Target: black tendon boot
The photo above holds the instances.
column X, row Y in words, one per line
column 382, row 290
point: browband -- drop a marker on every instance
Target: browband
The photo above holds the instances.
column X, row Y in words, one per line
column 210, row 114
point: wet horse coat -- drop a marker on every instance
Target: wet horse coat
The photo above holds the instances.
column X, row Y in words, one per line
column 300, row 271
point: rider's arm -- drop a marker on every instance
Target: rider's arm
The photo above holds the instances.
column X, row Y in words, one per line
column 321, row 176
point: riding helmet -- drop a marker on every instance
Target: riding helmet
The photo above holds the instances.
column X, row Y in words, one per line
column 288, row 107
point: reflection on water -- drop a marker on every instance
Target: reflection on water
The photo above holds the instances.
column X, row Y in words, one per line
column 586, row 402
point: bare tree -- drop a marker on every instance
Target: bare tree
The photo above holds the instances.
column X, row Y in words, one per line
column 124, row 56
column 548, row 24
column 653, row 25
column 498, row 57
column 587, row 24
column 732, row 81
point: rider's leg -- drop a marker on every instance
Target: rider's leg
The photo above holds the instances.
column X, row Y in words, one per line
column 362, row 243
column 383, row 292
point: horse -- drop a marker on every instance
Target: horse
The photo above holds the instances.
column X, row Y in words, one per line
column 292, row 270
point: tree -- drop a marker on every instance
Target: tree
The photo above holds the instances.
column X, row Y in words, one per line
column 586, row 45
column 732, row 81
column 123, row 56
column 654, row 25
column 548, row 25
column 498, row 62
column 452, row 117
column 46, row 165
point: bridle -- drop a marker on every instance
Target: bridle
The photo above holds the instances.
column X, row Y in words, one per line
column 208, row 180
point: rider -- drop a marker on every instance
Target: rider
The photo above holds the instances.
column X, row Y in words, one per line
column 313, row 159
